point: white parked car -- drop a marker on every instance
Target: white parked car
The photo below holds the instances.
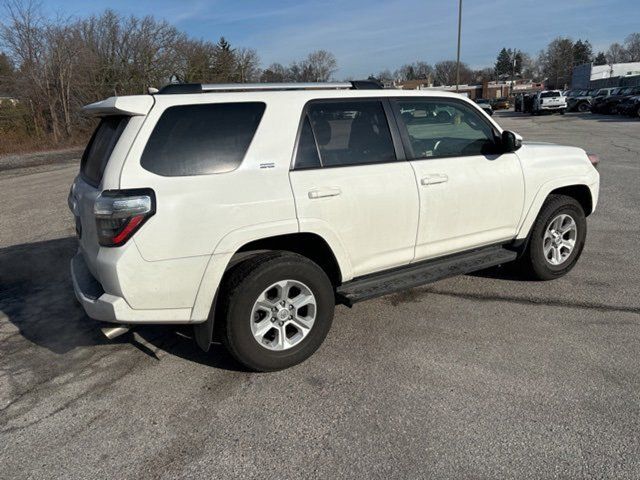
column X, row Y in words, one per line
column 250, row 210
column 549, row 101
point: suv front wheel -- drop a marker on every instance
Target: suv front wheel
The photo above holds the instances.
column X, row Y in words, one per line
column 276, row 310
column 557, row 239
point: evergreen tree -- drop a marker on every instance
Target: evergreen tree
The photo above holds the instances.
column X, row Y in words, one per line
column 582, row 52
column 601, row 59
column 6, row 73
column 503, row 62
column 519, row 60
column 224, row 64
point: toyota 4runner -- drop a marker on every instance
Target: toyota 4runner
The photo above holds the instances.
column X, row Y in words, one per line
column 249, row 211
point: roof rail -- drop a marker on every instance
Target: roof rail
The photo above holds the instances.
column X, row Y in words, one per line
column 178, row 88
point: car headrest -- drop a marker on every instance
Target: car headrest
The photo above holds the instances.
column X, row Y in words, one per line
column 322, row 130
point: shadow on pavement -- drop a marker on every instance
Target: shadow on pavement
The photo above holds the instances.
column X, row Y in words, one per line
column 501, row 272
column 508, row 114
column 36, row 295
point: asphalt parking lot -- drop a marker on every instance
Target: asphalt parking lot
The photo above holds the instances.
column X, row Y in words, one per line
column 480, row 376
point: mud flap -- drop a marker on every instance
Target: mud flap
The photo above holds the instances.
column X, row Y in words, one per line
column 203, row 332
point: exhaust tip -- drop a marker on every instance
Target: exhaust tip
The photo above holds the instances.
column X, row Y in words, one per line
column 114, row 332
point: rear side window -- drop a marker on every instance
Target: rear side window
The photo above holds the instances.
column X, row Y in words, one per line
column 549, row 94
column 102, row 143
column 350, row 133
column 201, row 139
column 307, row 154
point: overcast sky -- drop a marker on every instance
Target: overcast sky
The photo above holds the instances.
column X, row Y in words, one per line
column 367, row 36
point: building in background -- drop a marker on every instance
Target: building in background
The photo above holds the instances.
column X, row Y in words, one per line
column 487, row 90
column 589, row 76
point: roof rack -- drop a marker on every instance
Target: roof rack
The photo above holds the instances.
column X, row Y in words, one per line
column 180, row 88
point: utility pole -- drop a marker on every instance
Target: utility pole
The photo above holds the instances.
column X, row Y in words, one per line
column 513, row 71
column 458, row 58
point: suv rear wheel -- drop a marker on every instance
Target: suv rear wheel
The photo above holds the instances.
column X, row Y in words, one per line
column 276, row 310
column 557, row 239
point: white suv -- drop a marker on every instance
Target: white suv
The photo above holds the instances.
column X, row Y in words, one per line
column 549, row 101
column 250, row 210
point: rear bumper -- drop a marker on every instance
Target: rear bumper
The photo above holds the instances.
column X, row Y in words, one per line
column 553, row 107
column 111, row 308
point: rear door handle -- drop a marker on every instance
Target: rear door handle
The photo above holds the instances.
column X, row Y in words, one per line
column 435, row 178
column 325, row 192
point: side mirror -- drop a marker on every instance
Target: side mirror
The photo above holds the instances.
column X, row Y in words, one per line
column 511, row 141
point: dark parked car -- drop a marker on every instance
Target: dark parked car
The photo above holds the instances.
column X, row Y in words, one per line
column 580, row 100
column 518, row 102
column 523, row 102
column 601, row 97
column 630, row 106
column 485, row 105
column 610, row 104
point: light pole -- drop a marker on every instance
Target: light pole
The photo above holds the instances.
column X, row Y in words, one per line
column 458, row 57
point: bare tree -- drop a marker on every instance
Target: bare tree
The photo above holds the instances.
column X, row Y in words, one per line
column 415, row 71
column 319, row 66
column 385, row 76
column 247, row 65
column 445, row 73
column 616, row 54
column 195, row 61
column 632, row 47
column 557, row 62
column 275, row 72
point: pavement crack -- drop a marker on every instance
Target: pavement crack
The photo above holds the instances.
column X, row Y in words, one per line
column 630, row 150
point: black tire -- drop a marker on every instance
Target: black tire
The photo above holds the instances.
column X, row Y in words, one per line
column 583, row 107
column 562, row 111
column 242, row 287
column 533, row 263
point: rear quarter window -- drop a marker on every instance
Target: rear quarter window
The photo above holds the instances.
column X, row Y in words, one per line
column 99, row 149
column 201, row 139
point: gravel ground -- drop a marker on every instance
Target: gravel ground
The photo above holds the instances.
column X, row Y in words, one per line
column 480, row 376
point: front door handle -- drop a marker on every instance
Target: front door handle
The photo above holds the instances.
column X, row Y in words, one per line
column 435, row 178
column 325, row 192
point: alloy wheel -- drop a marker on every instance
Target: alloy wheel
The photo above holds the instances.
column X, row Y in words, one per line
column 283, row 315
column 559, row 239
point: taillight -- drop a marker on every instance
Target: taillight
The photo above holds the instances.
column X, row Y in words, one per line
column 120, row 213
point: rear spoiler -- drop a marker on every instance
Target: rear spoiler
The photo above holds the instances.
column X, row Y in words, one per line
column 130, row 105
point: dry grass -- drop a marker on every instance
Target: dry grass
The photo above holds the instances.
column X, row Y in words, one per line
column 15, row 142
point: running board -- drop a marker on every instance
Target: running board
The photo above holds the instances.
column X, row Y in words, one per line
column 416, row 274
